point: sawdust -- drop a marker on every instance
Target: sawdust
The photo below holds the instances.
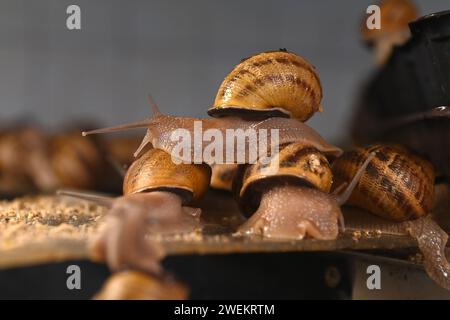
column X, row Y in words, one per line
column 40, row 218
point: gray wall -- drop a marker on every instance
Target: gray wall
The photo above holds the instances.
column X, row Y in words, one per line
column 179, row 51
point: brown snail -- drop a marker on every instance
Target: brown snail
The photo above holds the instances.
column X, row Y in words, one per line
column 160, row 129
column 33, row 160
column 268, row 84
column 24, row 153
column 395, row 15
column 157, row 193
column 77, row 162
column 398, row 186
column 275, row 83
column 135, row 285
column 292, row 201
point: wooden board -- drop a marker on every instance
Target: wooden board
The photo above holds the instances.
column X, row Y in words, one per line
column 42, row 229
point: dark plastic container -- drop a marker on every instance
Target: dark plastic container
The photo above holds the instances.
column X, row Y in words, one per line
column 417, row 76
column 408, row 100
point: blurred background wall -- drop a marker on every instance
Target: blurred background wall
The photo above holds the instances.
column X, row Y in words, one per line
column 179, row 51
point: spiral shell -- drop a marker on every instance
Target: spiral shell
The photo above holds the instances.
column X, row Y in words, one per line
column 397, row 184
column 77, row 162
column 155, row 170
column 395, row 16
column 296, row 163
column 277, row 83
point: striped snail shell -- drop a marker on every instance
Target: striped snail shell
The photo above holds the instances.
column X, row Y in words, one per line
column 222, row 175
column 397, row 184
column 276, row 83
column 155, row 170
column 298, row 164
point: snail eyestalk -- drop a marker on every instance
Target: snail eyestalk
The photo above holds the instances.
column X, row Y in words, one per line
column 121, row 127
column 343, row 197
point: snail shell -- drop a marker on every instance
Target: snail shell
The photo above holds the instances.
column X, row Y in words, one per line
column 397, row 184
column 77, row 162
column 277, row 83
column 155, row 170
column 13, row 153
column 135, row 285
column 298, row 164
column 222, row 176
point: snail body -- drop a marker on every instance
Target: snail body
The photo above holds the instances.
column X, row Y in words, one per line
column 77, row 163
column 160, row 130
column 293, row 202
column 268, row 84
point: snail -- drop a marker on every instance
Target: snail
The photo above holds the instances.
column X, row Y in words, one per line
column 24, row 153
column 32, row 160
column 267, row 84
column 160, row 130
column 292, row 201
column 77, row 163
column 399, row 186
column 393, row 31
column 290, row 87
column 156, row 195
column 274, row 83
column 135, row 285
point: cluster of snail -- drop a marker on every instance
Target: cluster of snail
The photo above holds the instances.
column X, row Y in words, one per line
column 302, row 198
column 32, row 160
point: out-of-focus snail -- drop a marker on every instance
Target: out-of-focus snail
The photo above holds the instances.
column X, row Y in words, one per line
column 399, row 186
column 393, row 31
column 288, row 198
column 157, row 193
column 135, row 285
column 77, row 163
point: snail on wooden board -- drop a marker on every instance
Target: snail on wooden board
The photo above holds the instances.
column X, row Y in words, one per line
column 399, row 186
column 24, row 153
column 302, row 95
column 292, row 201
column 32, row 160
column 393, row 30
column 156, row 198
